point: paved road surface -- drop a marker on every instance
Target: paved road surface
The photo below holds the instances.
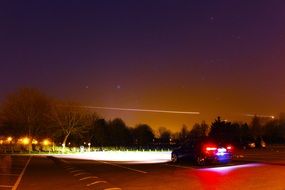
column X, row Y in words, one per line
column 12, row 169
column 53, row 173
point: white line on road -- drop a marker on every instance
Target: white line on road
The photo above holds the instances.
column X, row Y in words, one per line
column 74, row 171
column 21, row 175
column 140, row 171
column 6, row 186
column 10, row 174
column 95, row 182
column 89, row 177
column 82, row 173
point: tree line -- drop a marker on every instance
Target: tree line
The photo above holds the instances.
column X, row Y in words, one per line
column 29, row 112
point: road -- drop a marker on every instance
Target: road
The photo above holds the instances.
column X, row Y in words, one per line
column 45, row 172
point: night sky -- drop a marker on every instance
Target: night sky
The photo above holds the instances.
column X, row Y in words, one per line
column 214, row 57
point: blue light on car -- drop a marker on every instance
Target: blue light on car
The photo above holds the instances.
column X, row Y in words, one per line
column 221, row 151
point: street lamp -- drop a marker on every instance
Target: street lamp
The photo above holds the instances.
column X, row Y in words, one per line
column 25, row 141
column 9, row 139
column 89, row 144
column 46, row 142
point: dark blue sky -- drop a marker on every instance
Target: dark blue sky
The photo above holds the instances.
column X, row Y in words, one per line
column 216, row 57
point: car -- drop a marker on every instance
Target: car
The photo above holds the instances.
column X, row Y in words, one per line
column 203, row 152
column 263, row 144
column 260, row 143
column 249, row 145
column 254, row 143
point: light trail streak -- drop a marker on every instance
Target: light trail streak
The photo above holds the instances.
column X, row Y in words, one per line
column 142, row 110
column 263, row 116
column 127, row 157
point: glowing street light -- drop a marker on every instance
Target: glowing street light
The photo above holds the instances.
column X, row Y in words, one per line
column 46, row 142
column 9, row 140
column 25, row 141
column 34, row 141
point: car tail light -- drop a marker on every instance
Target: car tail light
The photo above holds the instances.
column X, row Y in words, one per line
column 210, row 149
column 229, row 148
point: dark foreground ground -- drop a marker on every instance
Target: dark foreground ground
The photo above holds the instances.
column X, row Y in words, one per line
column 261, row 169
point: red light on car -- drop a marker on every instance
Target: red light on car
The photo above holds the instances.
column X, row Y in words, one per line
column 230, row 148
column 211, row 148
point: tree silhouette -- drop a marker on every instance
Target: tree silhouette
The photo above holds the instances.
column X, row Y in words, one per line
column 222, row 131
column 282, row 126
column 101, row 133
column 256, row 127
column 24, row 112
column 183, row 134
column 143, row 135
column 89, row 121
column 199, row 130
column 164, row 135
column 119, row 133
column 69, row 119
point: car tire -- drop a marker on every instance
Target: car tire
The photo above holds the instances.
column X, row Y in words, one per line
column 174, row 158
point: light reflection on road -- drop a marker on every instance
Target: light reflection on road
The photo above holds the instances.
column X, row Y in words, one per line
column 226, row 169
column 219, row 177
